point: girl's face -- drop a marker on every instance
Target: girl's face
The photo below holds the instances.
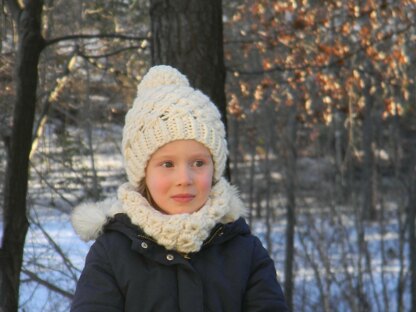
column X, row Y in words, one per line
column 179, row 176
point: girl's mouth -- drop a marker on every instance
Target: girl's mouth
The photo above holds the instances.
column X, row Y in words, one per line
column 183, row 198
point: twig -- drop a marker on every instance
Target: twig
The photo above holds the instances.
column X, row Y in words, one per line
column 34, row 277
column 94, row 36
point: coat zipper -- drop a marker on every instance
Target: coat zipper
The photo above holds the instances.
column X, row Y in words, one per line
column 146, row 238
column 211, row 238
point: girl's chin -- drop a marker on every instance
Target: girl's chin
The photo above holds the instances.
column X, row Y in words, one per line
column 178, row 210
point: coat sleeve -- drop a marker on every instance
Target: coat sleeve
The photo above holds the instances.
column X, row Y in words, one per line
column 263, row 293
column 97, row 289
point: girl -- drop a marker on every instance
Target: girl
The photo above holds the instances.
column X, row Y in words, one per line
column 174, row 239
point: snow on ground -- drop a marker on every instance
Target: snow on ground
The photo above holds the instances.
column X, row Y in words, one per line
column 328, row 257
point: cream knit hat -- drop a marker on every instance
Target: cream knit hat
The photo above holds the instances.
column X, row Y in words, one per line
column 167, row 109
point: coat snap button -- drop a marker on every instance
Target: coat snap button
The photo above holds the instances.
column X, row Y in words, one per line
column 170, row 257
column 144, row 245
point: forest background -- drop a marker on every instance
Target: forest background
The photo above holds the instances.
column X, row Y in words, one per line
column 320, row 104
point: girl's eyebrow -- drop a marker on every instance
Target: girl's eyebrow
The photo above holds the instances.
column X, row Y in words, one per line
column 170, row 156
column 200, row 155
column 173, row 156
column 161, row 157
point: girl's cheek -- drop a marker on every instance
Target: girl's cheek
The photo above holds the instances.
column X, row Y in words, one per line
column 209, row 182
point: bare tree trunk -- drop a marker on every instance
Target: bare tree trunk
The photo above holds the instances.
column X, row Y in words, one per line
column 268, row 186
column 87, row 123
column 236, row 152
column 395, row 141
column 402, row 266
column 412, row 222
column 290, row 158
column 188, row 35
column 252, row 139
column 339, row 158
column 369, row 170
column 31, row 43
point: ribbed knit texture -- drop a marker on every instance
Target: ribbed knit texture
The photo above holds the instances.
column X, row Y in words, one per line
column 182, row 232
column 167, row 109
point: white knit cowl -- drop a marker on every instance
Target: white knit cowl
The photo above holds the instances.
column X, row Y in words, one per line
column 184, row 233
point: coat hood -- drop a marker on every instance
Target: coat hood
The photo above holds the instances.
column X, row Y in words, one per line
column 88, row 219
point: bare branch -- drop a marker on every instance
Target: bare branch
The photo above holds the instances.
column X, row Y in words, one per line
column 94, row 36
column 34, row 277
column 108, row 54
column 52, row 187
column 68, row 264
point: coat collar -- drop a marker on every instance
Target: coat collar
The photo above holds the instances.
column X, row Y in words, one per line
column 219, row 234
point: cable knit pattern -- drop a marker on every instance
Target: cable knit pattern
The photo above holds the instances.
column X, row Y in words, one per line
column 182, row 232
column 167, row 109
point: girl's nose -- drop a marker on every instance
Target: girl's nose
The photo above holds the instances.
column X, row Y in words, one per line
column 184, row 175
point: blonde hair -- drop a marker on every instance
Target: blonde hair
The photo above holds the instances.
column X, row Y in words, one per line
column 144, row 191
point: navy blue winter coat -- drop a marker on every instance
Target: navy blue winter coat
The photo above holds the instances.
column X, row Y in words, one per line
column 127, row 271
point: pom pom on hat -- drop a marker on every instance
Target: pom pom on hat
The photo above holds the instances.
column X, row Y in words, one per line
column 162, row 75
column 167, row 109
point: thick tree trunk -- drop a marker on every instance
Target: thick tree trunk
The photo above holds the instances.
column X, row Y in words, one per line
column 188, row 35
column 31, row 44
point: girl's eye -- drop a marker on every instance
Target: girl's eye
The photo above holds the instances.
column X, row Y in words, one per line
column 198, row 163
column 167, row 164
